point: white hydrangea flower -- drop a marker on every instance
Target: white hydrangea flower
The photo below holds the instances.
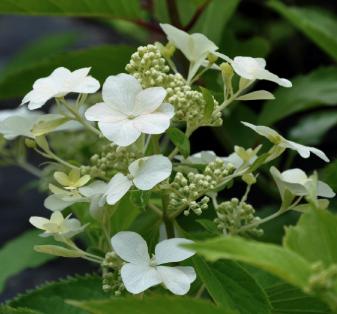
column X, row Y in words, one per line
column 280, row 141
column 196, row 47
column 298, row 183
column 142, row 272
column 144, row 173
column 58, row 84
column 17, row 122
column 254, row 69
column 57, row 225
column 128, row 110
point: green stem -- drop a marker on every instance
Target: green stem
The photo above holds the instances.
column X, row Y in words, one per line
column 30, row 168
column 166, row 218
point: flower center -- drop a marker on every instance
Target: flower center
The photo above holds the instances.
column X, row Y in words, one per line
column 153, row 262
column 131, row 116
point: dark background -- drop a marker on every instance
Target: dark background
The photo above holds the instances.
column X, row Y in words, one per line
column 19, row 201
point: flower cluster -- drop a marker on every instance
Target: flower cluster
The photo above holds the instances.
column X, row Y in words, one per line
column 127, row 172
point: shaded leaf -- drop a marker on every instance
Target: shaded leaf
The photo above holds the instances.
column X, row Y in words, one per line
column 104, row 60
column 209, row 100
column 180, row 140
column 50, row 298
column 269, row 257
column 314, row 237
column 313, row 90
column 311, row 129
column 93, row 8
column 10, row 310
column 18, row 255
column 231, row 286
column 162, row 305
column 319, row 25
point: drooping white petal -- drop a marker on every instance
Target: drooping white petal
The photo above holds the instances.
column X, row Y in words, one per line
column 138, row 278
column 188, row 271
column 82, row 83
column 121, row 90
column 148, row 100
column 265, row 131
column 305, row 151
column 122, row 133
column 118, row 186
column 131, row 247
column 149, row 171
column 95, row 188
column 57, row 203
column 38, row 222
column 174, row 279
column 104, row 113
column 266, row 75
column 156, row 122
column 324, row 190
column 295, row 175
column 170, row 251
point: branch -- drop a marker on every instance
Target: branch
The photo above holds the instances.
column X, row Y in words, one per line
column 196, row 15
column 174, row 13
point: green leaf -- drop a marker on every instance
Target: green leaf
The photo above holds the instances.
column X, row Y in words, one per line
column 314, row 237
column 162, row 305
column 10, row 310
column 46, row 46
column 93, row 8
column 180, row 140
column 257, row 95
column 269, row 257
column 18, row 255
column 311, row 129
column 319, row 25
column 329, row 173
column 104, row 60
column 50, row 298
column 286, row 299
column 209, row 102
column 231, row 286
column 213, row 21
column 313, row 90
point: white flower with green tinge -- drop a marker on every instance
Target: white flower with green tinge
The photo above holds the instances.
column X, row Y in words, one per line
column 195, row 47
column 253, row 69
column 142, row 272
column 128, row 110
column 17, row 122
column 144, row 173
column 280, row 141
column 58, row 84
column 57, row 225
column 298, row 183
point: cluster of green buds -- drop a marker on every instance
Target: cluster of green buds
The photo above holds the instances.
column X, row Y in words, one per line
column 323, row 279
column 188, row 189
column 233, row 215
column 111, row 279
column 150, row 68
column 112, row 158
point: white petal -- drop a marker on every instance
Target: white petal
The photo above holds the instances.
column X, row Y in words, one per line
column 305, row 151
column 56, row 203
column 94, row 188
column 121, row 90
column 295, row 175
column 118, row 186
column 265, row 131
column 138, row 278
column 148, row 100
column 104, row 112
column 188, row 271
column 266, row 75
column 149, row 171
column 131, row 247
column 325, row 190
column 38, row 222
column 156, row 122
column 174, row 279
column 82, row 83
column 169, row 251
column 201, row 46
column 122, row 133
